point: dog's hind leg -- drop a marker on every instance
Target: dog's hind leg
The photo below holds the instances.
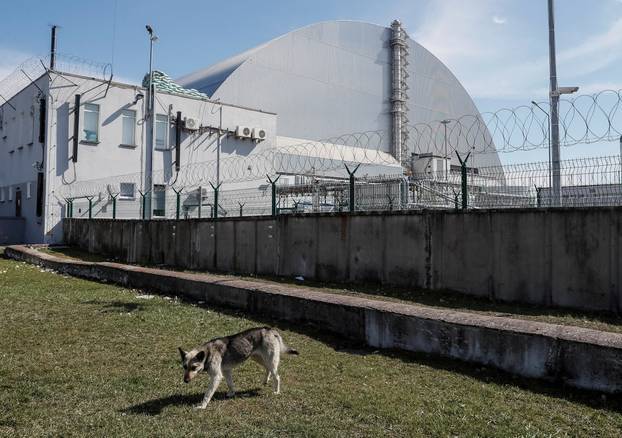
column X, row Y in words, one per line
column 259, row 359
column 273, row 368
column 229, row 379
column 215, row 379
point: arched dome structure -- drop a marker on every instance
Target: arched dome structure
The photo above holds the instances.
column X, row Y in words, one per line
column 333, row 78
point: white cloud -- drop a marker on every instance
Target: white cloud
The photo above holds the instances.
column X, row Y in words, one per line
column 499, row 20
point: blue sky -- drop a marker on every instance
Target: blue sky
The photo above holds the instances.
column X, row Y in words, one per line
column 497, row 48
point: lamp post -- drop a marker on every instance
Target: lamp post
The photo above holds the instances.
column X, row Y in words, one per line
column 445, row 122
column 150, row 126
column 548, row 126
column 554, row 94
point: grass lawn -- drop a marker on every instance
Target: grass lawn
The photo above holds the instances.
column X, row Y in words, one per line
column 439, row 299
column 84, row 358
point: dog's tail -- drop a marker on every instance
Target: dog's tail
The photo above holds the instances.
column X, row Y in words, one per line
column 284, row 347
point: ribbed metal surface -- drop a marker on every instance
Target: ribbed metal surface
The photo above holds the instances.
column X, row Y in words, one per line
column 335, row 77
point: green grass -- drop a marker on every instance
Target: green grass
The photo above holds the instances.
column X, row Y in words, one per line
column 84, row 358
column 439, row 299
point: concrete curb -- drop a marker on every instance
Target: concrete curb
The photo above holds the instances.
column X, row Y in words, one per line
column 575, row 356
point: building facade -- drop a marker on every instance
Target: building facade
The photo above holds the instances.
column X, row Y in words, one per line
column 57, row 147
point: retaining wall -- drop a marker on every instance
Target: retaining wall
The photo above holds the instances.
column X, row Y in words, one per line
column 574, row 356
column 552, row 257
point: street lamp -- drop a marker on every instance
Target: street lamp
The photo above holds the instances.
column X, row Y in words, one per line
column 548, row 126
column 554, row 94
column 150, row 126
column 445, row 122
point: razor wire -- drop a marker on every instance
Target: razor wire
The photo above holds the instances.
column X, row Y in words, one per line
column 583, row 119
column 32, row 68
column 307, row 158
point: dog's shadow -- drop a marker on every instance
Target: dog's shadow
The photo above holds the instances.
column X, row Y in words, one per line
column 155, row 407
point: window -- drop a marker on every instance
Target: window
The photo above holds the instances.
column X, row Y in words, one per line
column 91, row 122
column 129, row 127
column 127, row 191
column 161, row 131
column 1, row 194
column 10, row 193
column 159, row 200
column 28, row 184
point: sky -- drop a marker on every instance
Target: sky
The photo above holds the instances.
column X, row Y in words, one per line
column 498, row 49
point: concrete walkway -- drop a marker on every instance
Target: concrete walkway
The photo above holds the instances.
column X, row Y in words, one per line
column 574, row 356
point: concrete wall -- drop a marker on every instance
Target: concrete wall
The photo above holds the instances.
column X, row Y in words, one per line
column 12, row 230
column 556, row 257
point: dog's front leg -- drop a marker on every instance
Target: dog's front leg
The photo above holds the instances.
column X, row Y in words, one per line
column 211, row 389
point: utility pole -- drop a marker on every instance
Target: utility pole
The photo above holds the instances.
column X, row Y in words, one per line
column 554, row 97
column 53, row 48
column 548, row 125
column 150, row 116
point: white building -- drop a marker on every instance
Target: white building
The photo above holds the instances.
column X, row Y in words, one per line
column 38, row 142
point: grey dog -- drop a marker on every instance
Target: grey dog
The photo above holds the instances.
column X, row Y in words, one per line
column 219, row 356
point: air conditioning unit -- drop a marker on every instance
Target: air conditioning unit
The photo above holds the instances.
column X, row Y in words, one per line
column 259, row 134
column 191, row 123
column 243, row 132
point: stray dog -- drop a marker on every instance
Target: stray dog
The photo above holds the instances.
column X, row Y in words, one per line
column 219, row 356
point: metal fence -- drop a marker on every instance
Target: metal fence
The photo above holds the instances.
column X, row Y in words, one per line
column 585, row 182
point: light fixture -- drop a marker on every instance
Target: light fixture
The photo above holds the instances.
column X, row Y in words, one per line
column 564, row 90
column 152, row 36
column 139, row 96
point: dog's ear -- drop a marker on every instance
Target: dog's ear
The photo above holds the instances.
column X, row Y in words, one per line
column 182, row 353
column 200, row 356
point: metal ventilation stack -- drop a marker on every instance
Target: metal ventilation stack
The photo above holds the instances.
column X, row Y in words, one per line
column 399, row 93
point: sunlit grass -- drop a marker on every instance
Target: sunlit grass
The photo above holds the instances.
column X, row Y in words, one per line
column 89, row 359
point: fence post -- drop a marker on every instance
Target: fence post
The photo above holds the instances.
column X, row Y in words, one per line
column 144, row 203
column 273, row 192
column 177, row 202
column 69, row 207
column 200, row 200
column 463, row 177
column 90, row 198
column 241, row 208
column 114, row 206
column 216, row 188
column 352, row 185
